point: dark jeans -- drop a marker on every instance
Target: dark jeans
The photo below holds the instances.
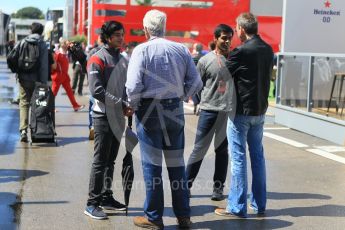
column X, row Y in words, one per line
column 160, row 128
column 78, row 75
column 211, row 123
column 106, row 148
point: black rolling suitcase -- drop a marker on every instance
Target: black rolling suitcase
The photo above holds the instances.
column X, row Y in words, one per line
column 42, row 113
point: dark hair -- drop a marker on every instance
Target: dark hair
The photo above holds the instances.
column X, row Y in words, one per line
column 212, row 45
column 108, row 28
column 36, row 28
column 248, row 22
column 198, row 47
column 132, row 44
column 222, row 28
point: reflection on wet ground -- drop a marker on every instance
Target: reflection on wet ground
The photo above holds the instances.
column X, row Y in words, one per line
column 9, row 127
column 7, row 212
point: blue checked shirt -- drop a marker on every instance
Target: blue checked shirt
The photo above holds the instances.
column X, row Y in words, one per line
column 161, row 69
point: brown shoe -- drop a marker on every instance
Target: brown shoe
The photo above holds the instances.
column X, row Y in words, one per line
column 223, row 212
column 184, row 222
column 91, row 134
column 143, row 222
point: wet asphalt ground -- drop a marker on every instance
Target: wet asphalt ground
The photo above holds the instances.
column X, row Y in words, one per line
column 45, row 187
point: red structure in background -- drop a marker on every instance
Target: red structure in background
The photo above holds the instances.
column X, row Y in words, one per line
column 80, row 19
column 186, row 23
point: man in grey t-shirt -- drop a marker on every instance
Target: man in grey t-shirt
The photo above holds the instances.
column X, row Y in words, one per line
column 217, row 103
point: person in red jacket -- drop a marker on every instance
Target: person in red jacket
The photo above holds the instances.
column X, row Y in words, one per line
column 60, row 74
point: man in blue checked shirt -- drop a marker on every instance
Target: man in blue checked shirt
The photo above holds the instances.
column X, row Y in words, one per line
column 161, row 74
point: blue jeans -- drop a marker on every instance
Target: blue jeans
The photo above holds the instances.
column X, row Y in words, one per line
column 211, row 123
column 160, row 129
column 246, row 129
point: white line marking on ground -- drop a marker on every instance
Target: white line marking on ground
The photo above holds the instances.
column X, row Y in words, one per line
column 328, row 155
column 276, row 128
column 285, row 140
column 331, row 148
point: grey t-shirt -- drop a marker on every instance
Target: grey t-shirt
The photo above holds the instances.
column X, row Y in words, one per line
column 218, row 93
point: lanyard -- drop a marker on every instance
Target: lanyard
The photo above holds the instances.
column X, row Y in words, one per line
column 220, row 63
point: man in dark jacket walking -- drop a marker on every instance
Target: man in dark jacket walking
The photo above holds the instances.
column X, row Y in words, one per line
column 27, row 81
column 251, row 66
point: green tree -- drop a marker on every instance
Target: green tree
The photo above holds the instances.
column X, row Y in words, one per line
column 29, row 13
column 79, row 38
column 145, row 2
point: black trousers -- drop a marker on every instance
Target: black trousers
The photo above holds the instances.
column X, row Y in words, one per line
column 78, row 75
column 106, row 148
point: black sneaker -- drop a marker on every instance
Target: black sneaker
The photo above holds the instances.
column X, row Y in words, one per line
column 95, row 212
column 184, row 222
column 217, row 194
column 110, row 203
column 23, row 136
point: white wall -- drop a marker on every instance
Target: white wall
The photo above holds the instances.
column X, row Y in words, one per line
column 267, row 7
column 311, row 27
column 68, row 19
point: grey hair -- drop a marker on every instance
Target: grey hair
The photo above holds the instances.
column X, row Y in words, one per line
column 248, row 22
column 155, row 22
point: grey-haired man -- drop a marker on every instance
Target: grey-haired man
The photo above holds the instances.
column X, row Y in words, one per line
column 161, row 73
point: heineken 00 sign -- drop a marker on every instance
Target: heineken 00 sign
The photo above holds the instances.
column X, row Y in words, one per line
column 314, row 26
